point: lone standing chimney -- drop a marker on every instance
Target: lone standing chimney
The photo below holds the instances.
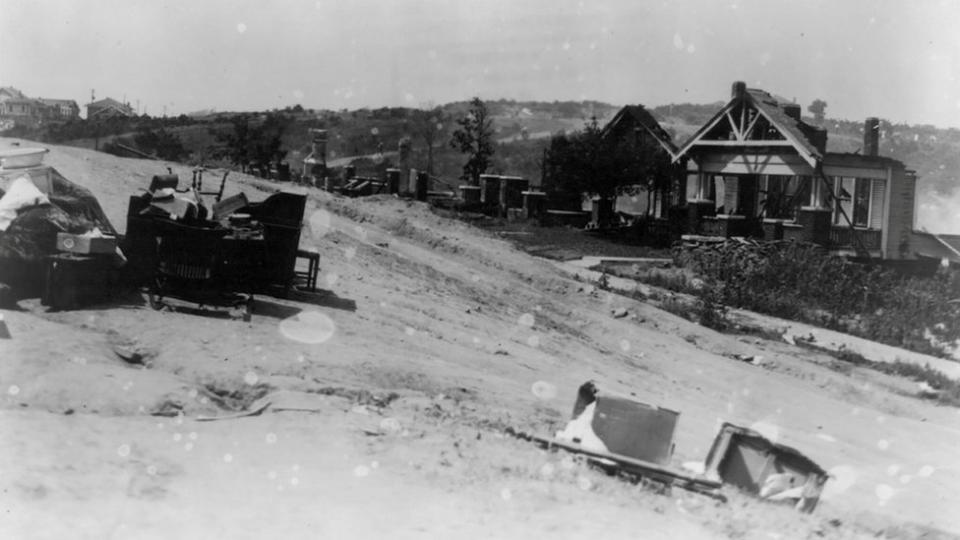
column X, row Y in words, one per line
column 871, row 137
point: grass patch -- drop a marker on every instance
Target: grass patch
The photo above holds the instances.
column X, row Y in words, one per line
column 943, row 389
column 701, row 311
column 570, row 240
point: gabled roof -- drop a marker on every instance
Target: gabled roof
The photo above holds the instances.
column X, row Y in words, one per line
column 640, row 116
column 26, row 100
column 47, row 101
column 804, row 133
column 108, row 102
column 12, row 92
column 809, row 141
column 97, row 107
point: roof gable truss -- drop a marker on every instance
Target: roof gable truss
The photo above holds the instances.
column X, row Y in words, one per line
column 744, row 123
column 741, row 123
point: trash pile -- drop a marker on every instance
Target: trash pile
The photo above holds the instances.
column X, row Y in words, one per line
column 628, row 436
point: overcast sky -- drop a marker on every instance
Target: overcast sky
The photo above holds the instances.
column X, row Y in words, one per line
column 898, row 60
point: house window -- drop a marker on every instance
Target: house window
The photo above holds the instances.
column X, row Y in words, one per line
column 861, row 202
column 705, row 187
column 783, row 195
column 853, row 197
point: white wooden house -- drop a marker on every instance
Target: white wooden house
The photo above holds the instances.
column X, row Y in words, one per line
column 757, row 169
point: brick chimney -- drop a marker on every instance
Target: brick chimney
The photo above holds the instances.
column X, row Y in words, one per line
column 792, row 110
column 871, row 137
column 739, row 89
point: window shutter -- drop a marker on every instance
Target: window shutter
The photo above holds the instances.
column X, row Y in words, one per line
column 876, row 203
column 731, row 188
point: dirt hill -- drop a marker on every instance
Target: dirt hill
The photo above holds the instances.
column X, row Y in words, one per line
column 386, row 398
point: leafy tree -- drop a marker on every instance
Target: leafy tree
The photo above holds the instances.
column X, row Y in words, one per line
column 237, row 140
column 594, row 163
column 474, row 137
column 268, row 138
column 256, row 141
column 819, row 109
column 161, row 143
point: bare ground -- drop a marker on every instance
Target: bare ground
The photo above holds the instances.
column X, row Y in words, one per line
column 390, row 390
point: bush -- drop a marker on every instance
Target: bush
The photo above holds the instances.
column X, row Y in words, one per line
column 802, row 282
column 703, row 311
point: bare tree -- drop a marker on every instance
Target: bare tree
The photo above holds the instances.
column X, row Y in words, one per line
column 428, row 124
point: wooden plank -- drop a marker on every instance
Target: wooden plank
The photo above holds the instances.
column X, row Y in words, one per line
column 739, row 163
column 945, row 244
column 639, row 467
column 710, row 142
column 734, row 128
column 743, row 120
column 855, row 172
column 749, row 130
column 255, row 410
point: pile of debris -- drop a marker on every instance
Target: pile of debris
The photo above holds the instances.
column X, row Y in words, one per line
column 635, row 438
column 46, row 223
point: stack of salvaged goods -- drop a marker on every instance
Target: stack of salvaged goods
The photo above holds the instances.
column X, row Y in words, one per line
column 218, row 256
column 57, row 243
column 55, row 240
column 638, row 439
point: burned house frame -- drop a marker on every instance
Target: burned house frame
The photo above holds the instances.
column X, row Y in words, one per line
column 663, row 191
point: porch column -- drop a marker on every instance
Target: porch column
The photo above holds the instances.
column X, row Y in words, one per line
column 814, row 220
column 819, row 191
column 701, row 205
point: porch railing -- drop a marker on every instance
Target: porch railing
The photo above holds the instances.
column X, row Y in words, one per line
column 841, row 237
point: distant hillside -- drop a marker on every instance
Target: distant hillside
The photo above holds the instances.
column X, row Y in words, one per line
column 522, row 128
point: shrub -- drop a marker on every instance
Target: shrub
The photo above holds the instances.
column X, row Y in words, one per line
column 802, row 282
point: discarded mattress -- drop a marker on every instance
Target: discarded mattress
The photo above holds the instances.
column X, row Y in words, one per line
column 744, row 458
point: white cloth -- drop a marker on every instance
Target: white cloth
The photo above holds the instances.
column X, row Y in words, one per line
column 580, row 431
column 21, row 194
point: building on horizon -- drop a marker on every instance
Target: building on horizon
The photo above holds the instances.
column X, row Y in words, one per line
column 16, row 108
column 109, row 108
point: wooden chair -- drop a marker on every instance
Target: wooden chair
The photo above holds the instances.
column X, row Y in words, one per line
column 308, row 277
